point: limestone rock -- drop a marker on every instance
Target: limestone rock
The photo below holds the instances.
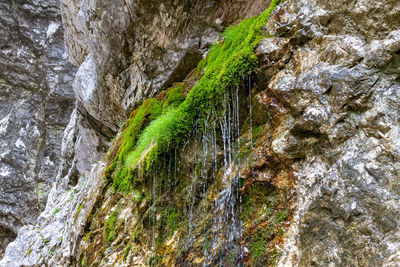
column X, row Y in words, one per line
column 324, row 147
column 36, row 100
column 130, row 50
column 340, row 90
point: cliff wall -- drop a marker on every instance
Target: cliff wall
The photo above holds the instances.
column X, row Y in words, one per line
column 272, row 142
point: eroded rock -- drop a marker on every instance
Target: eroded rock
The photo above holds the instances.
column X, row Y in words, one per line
column 35, row 104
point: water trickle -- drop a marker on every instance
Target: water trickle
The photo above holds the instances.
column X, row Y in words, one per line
column 212, row 203
column 250, row 112
column 153, row 215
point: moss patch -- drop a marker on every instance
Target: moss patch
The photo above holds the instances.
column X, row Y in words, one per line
column 109, row 227
column 174, row 97
column 170, row 219
column 228, row 62
column 126, row 252
column 140, row 118
column 264, row 216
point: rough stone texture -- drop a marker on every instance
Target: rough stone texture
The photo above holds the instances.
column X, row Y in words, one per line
column 54, row 237
column 129, row 50
column 327, row 91
column 336, row 68
column 126, row 51
column 36, row 100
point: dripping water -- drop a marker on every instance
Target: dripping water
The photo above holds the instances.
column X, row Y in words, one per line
column 250, row 110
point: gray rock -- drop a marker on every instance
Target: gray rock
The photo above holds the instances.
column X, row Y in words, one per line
column 130, row 50
column 333, row 68
column 340, row 90
column 36, row 100
column 53, row 239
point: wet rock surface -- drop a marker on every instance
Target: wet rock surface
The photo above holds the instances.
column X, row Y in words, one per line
column 340, row 91
column 36, row 100
column 130, row 50
column 120, row 61
column 318, row 180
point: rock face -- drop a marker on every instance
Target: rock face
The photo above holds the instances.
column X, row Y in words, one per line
column 311, row 178
column 36, row 100
column 340, row 89
column 130, row 50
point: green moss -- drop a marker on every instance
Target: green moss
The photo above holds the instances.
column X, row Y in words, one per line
column 171, row 218
column 77, row 211
column 247, row 207
column 154, row 260
column 140, row 118
column 87, row 236
column 257, row 131
column 227, row 64
column 253, row 199
column 281, row 217
column 261, row 238
column 29, row 252
column 169, row 223
column 137, row 232
column 258, row 250
column 126, row 252
column 274, row 257
column 201, row 66
column 109, row 227
column 109, row 170
column 138, row 197
column 56, row 210
column 174, row 97
column 147, row 196
column 84, row 261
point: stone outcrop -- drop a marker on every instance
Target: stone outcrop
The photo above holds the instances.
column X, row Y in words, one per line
column 121, row 61
column 340, row 88
column 36, row 100
column 311, row 179
column 130, row 50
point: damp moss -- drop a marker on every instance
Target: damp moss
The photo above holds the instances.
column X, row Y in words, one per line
column 147, row 196
column 281, row 216
column 87, row 236
column 201, row 66
column 274, row 256
column 138, row 196
column 258, row 249
column 147, row 112
column 154, row 260
column 140, row 118
column 171, row 219
column 109, row 227
column 226, row 65
column 84, row 261
column 228, row 62
column 174, row 97
column 255, row 197
column 109, row 170
column 247, row 207
column 126, row 252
